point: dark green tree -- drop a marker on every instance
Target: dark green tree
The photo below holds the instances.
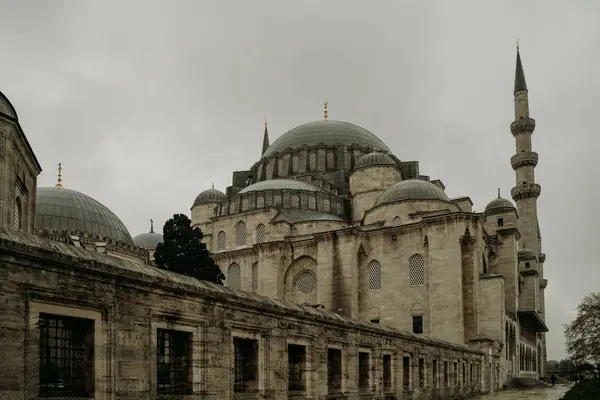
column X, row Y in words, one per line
column 183, row 251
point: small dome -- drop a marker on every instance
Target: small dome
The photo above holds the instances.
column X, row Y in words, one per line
column 148, row 240
column 59, row 208
column 526, row 254
column 372, row 159
column 210, row 196
column 412, row 189
column 6, row 107
column 281, row 184
column 499, row 203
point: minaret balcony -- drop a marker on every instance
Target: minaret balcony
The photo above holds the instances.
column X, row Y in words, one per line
column 524, row 159
column 526, row 191
column 522, row 125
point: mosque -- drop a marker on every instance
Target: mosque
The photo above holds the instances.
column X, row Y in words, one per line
column 329, row 217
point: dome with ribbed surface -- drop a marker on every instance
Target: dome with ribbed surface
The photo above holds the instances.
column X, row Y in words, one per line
column 373, row 159
column 280, row 184
column 148, row 240
column 499, row 203
column 210, row 196
column 329, row 132
column 59, row 208
column 412, row 189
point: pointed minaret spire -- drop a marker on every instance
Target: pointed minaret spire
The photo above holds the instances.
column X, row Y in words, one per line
column 59, row 184
column 266, row 143
column 498, row 192
column 151, row 225
column 520, row 84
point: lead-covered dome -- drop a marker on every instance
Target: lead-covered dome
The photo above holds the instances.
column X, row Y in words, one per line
column 327, row 132
column 59, row 208
column 280, row 184
column 412, row 189
column 499, row 204
column 148, row 240
column 373, row 159
column 210, row 196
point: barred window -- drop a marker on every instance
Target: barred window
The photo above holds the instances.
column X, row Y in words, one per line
column 173, row 362
column 245, row 205
column 260, row 202
column 387, row 372
column 255, row 277
column 295, row 231
column 326, row 205
column 396, row 221
column 364, row 370
column 18, row 214
column 246, row 365
column 330, row 160
column 260, row 233
column 310, row 229
column 221, row 241
column 348, row 161
column 312, row 203
column 277, row 200
column 334, row 370
column 240, row 234
column 328, row 227
column 295, row 163
column 66, row 356
column 234, row 277
column 296, row 367
column 233, row 208
column 295, row 202
column 312, row 161
column 374, row 275
column 416, row 266
column 305, row 282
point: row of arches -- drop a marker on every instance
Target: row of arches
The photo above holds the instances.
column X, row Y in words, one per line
column 233, row 279
column 281, row 169
column 241, row 236
column 528, row 359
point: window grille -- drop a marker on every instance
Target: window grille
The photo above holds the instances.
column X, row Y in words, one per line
column 255, row 277
column 374, row 275
column 66, row 356
column 240, row 234
column 260, row 202
column 416, row 266
column 310, row 229
column 277, row 200
column 312, row 161
column 245, row 205
column 233, row 208
column 363, row 371
column 260, row 233
column 246, row 365
column 406, row 372
column 221, row 241
column 295, row 232
column 330, row 160
column 295, row 202
column 328, row 227
column 234, row 277
column 280, row 167
column 326, row 206
column 17, row 215
column 295, row 164
column 348, row 161
column 387, row 372
column 334, row 370
column 296, row 367
column 396, row 221
column 305, row 282
column 173, row 362
column 312, row 203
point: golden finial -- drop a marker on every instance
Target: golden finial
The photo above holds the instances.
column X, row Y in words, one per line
column 518, row 43
column 151, row 225
column 498, row 192
column 59, row 184
column 325, row 114
column 213, row 185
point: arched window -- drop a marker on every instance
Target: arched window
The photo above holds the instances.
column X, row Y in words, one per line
column 18, row 214
column 295, row 202
column 295, row 231
column 260, row 202
column 348, row 161
column 330, row 160
column 416, row 266
column 396, row 221
column 328, row 227
column 305, row 282
column 240, row 234
column 312, row 203
column 310, row 228
column 260, row 233
column 255, row 277
column 295, row 163
column 277, row 200
column 221, row 241
column 312, row 161
column 233, row 208
column 234, row 277
column 374, row 275
column 244, row 204
column 326, row 205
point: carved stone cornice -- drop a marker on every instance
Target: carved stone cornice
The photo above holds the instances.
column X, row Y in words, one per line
column 526, row 191
column 524, row 159
column 523, row 125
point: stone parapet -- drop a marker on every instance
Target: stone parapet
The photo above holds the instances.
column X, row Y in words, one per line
column 526, row 158
column 526, row 191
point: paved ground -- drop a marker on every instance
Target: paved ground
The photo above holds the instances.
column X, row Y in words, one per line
column 554, row 393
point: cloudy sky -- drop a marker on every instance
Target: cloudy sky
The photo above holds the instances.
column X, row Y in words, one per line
column 146, row 103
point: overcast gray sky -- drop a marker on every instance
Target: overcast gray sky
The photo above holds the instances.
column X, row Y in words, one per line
column 147, row 102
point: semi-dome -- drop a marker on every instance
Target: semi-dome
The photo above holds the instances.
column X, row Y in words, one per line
column 412, row 189
column 59, row 208
column 327, row 132
column 281, row 184
column 373, row 159
column 210, row 196
column 6, row 107
column 499, row 203
column 148, row 240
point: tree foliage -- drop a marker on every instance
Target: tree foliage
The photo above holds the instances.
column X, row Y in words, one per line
column 183, row 251
column 583, row 333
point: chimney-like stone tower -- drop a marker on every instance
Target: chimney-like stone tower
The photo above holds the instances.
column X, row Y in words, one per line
column 525, row 194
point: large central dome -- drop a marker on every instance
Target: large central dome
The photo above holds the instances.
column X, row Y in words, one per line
column 328, row 133
column 59, row 208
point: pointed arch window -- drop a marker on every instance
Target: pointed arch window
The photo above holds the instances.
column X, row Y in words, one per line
column 374, row 275
column 312, row 161
column 260, row 202
column 260, row 233
column 330, row 160
column 255, row 277
column 244, row 204
column 280, row 167
column 18, row 214
column 221, row 241
column 295, row 202
column 277, row 200
column 240, row 234
column 396, row 221
column 312, row 203
column 310, row 228
column 234, row 277
column 295, row 164
column 416, row 265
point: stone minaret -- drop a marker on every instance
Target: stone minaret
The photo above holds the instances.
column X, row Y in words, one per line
column 266, row 143
column 526, row 191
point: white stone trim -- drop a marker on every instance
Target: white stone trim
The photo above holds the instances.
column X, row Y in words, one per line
column 262, row 348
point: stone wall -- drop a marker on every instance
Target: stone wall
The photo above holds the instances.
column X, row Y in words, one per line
column 128, row 303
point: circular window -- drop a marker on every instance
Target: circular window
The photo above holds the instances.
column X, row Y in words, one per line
column 305, row 282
